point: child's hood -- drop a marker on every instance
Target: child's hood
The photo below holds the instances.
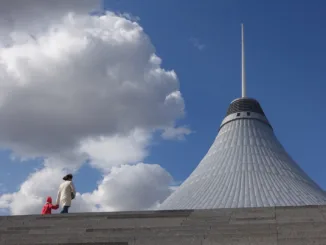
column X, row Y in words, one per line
column 49, row 200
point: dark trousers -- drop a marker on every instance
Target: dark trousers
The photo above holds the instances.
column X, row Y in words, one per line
column 65, row 210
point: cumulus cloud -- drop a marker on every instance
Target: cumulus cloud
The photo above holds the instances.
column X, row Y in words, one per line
column 130, row 187
column 126, row 187
column 126, row 184
column 31, row 196
column 106, row 152
column 86, row 77
column 33, row 16
column 17, row 10
column 76, row 87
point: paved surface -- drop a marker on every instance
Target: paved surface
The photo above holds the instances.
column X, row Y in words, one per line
column 245, row 226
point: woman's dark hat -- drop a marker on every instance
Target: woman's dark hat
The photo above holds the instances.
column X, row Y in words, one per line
column 67, row 177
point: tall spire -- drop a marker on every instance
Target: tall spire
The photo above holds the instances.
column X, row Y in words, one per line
column 243, row 77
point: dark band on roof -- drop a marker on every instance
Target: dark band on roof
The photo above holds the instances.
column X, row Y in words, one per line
column 245, row 104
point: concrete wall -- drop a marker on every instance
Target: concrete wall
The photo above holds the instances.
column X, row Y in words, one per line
column 248, row 226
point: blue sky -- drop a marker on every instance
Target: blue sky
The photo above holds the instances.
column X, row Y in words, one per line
column 285, row 53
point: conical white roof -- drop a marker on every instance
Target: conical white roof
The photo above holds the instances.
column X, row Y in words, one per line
column 246, row 167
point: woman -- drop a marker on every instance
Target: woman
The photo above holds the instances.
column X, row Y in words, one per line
column 66, row 193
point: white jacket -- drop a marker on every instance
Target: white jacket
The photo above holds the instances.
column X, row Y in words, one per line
column 64, row 193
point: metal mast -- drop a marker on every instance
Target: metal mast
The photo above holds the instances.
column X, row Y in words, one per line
column 243, row 75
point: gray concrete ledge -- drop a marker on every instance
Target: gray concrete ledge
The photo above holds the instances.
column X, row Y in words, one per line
column 245, row 226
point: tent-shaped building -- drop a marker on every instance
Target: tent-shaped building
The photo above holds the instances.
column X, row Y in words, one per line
column 246, row 166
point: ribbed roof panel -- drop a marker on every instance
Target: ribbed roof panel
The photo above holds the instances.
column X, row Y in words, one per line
column 246, row 167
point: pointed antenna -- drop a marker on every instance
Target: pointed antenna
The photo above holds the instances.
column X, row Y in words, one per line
column 243, row 75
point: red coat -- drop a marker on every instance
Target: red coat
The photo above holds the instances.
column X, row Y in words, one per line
column 47, row 208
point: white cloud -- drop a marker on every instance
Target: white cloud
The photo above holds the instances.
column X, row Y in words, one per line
column 85, row 77
column 131, row 187
column 176, row 133
column 31, row 196
column 127, row 187
column 130, row 16
column 123, row 187
column 76, row 87
column 39, row 14
column 106, row 152
column 197, row 43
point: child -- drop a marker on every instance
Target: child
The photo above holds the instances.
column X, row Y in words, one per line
column 49, row 206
